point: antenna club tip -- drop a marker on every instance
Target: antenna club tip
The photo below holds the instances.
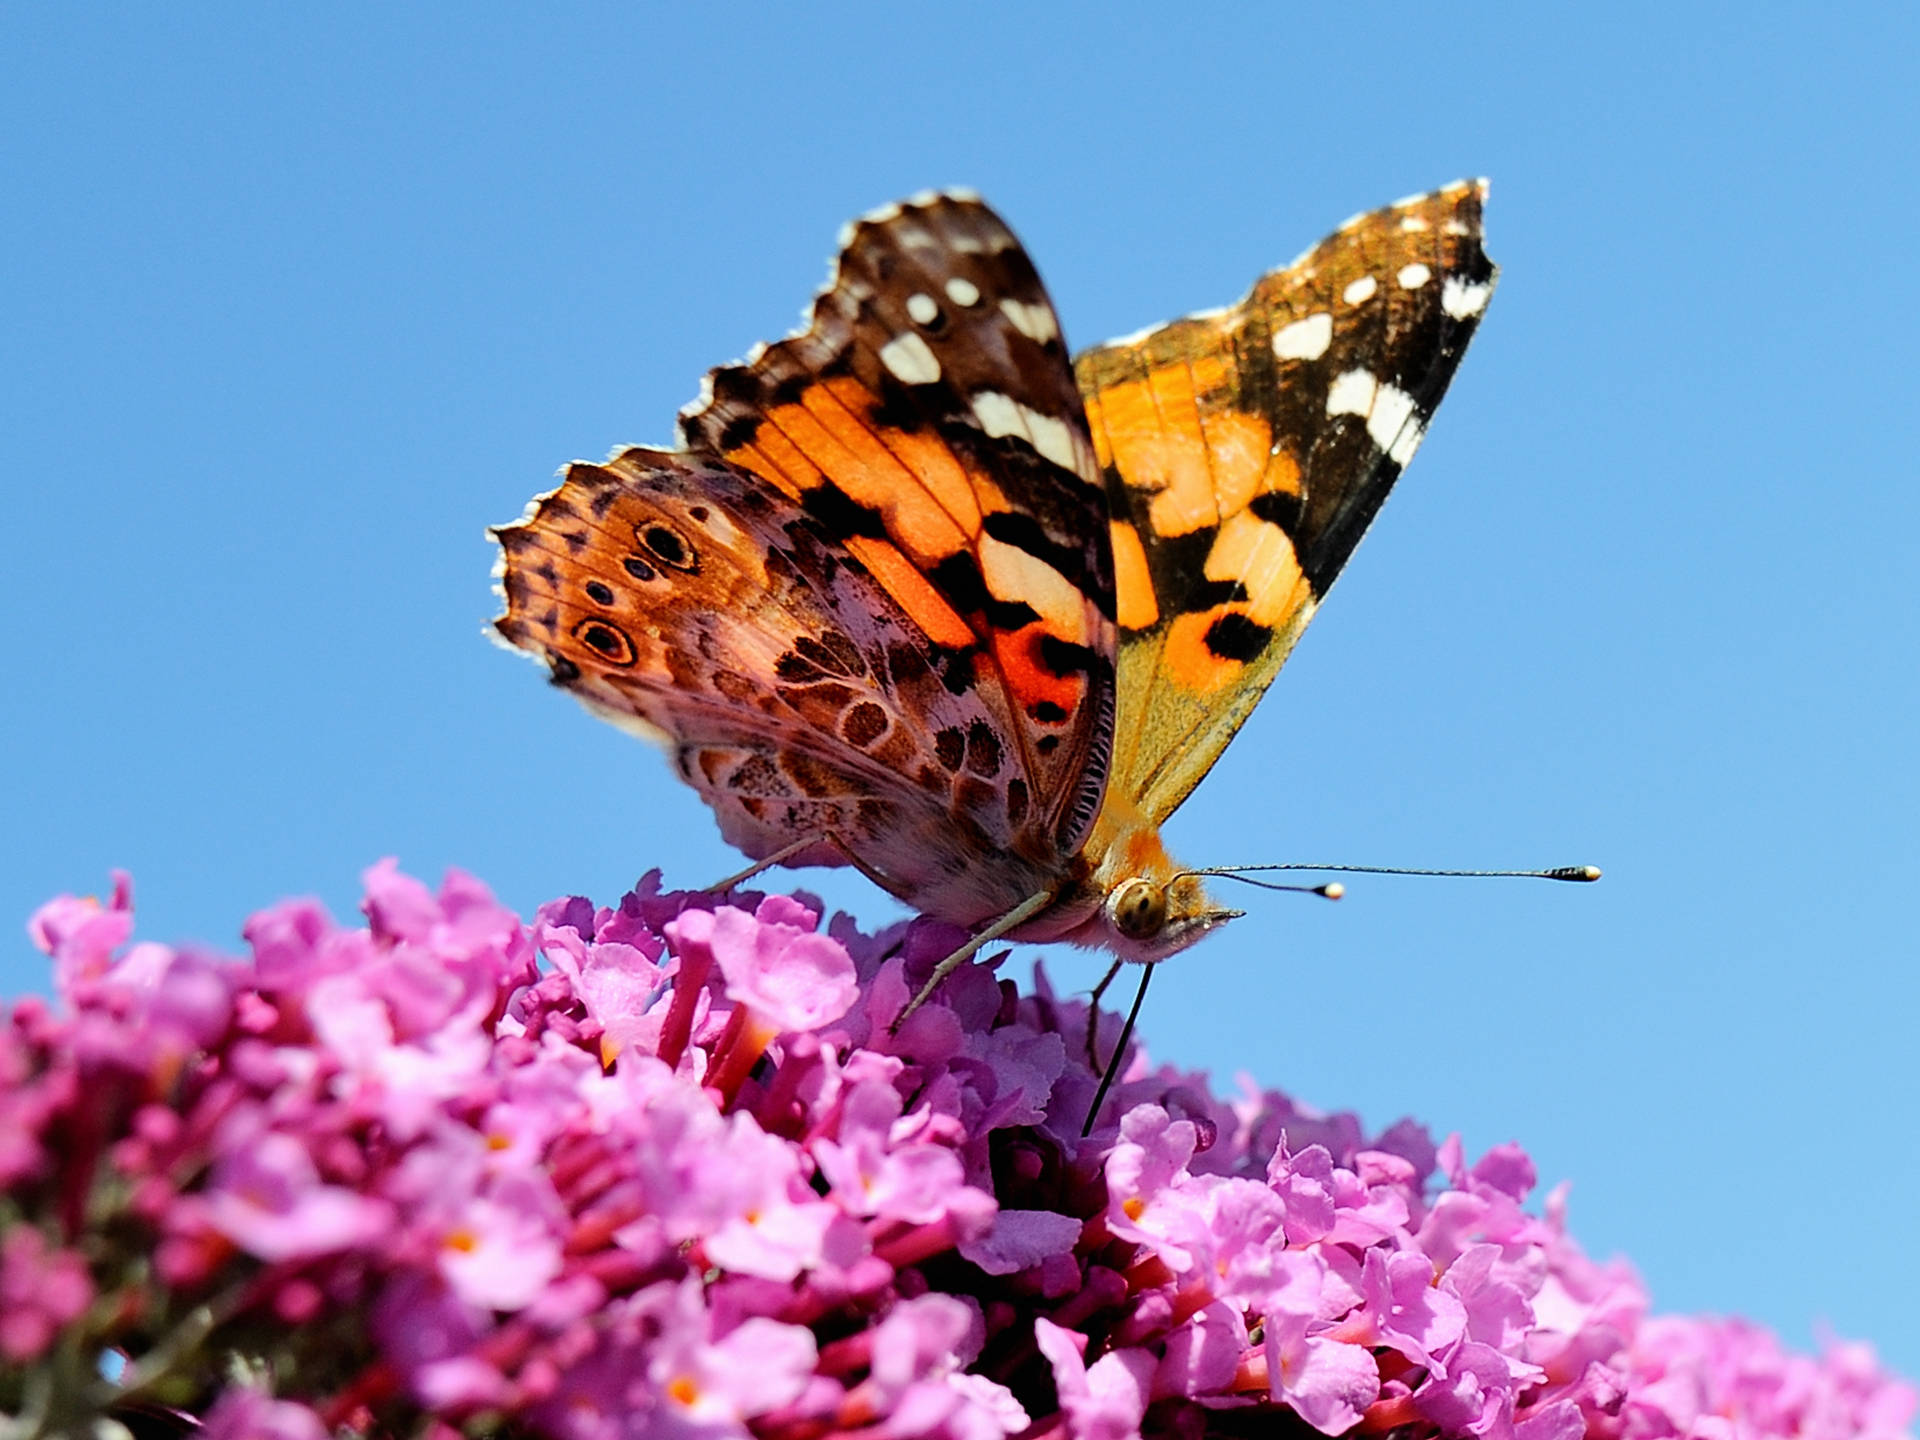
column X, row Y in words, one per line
column 1577, row 872
column 1333, row 890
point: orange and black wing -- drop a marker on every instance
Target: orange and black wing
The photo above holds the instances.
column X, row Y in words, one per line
column 1247, row 450
column 929, row 420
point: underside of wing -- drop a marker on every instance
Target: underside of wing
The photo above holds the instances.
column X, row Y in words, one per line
column 678, row 597
column 1245, row 453
column 928, row 421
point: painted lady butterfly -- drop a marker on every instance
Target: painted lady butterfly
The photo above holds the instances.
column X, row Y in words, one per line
column 918, row 594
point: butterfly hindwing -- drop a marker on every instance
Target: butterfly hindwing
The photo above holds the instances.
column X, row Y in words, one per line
column 680, row 598
column 929, row 420
column 1245, row 452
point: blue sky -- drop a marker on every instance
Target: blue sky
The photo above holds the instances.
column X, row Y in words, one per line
column 299, row 301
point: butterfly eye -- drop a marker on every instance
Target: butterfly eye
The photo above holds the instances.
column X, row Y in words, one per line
column 1138, row 908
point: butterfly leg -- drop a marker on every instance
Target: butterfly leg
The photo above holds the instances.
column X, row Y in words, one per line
column 1015, row 917
column 1112, row 1072
column 1093, row 1015
column 778, row 857
column 788, row 851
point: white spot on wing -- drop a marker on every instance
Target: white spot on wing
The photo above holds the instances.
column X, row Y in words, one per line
column 1360, row 290
column 963, row 291
column 1304, row 339
column 1013, row 573
column 1352, row 393
column 908, row 357
column 1412, row 277
column 1388, row 420
column 922, row 309
column 1053, row 438
column 1003, row 415
column 1460, row 298
column 998, row 414
column 1036, row 322
column 1413, row 222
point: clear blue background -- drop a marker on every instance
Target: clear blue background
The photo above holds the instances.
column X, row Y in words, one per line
column 296, row 303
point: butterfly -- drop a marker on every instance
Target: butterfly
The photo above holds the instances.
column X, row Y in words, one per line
column 918, row 593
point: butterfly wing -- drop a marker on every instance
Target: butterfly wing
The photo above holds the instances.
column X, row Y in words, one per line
column 872, row 593
column 678, row 598
column 1247, row 450
column 929, row 420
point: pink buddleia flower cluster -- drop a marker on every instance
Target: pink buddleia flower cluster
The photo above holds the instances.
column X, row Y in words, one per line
column 667, row 1170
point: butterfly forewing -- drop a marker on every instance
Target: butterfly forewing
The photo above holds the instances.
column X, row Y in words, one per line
column 1245, row 452
column 928, row 419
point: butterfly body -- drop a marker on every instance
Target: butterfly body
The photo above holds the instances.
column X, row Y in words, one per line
column 920, row 594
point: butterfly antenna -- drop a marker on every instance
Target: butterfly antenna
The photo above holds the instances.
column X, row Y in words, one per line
column 1577, row 873
column 1331, row 890
column 1120, row 1050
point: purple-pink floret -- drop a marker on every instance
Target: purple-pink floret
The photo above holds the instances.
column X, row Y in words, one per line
column 669, row 1169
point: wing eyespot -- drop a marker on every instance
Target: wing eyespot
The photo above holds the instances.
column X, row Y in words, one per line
column 667, row 545
column 609, row 642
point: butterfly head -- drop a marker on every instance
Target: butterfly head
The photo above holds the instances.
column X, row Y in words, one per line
column 1148, row 919
column 1150, row 906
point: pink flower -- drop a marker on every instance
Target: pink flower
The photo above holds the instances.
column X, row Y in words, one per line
column 707, row 1386
column 917, row 1382
column 41, row 1290
column 1329, row 1383
column 1102, row 1401
column 1497, row 1312
column 82, row 934
column 1403, row 1311
column 1472, row 1396
column 267, row 1198
column 661, row 1169
column 1203, row 1354
column 243, row 1413
column 773, row 962
column 873, row 1174
column 764, row 1220
column 1021, row 1239
column 504, row 1249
